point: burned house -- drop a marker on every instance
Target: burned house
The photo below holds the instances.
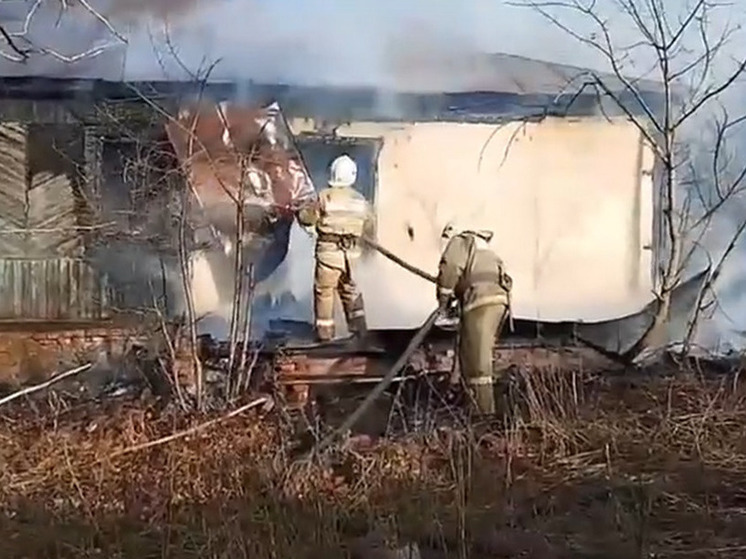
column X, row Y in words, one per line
column 518, row 146
column 527, row 149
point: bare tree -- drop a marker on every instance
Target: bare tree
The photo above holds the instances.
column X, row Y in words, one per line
column 138, row 196
column 688, row 49
column 233, row 159
column 21, row 42
column 26, row 38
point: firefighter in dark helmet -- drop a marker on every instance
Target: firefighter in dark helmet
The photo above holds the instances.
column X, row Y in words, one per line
column 472, row 274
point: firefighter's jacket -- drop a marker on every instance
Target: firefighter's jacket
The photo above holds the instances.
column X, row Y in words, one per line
column 471, row 271
column 341, row 216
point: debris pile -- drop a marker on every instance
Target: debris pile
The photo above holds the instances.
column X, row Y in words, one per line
column 241, row 158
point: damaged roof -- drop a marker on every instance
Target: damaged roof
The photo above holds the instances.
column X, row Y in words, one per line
column 500, row 73
column 427, row 71
column 333, row 104
column 448, row 85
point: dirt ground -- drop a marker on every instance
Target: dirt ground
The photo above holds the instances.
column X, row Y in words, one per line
column 622, row 466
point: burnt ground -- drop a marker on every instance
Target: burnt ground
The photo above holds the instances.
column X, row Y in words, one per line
column 598, row 465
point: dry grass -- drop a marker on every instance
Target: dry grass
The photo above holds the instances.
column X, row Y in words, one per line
column 599, row 467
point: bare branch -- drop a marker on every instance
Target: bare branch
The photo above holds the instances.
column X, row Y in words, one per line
column 103, row 20
column 22, row 54
column 713, row 276
column 33, row 46
column 686, row 48
column 35, row 388
column 261, row 401
column 606, row 49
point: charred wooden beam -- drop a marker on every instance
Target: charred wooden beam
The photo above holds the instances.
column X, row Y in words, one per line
column 299, row 363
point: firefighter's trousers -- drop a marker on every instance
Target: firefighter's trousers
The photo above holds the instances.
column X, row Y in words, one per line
column 334, row 273
column 478, row 332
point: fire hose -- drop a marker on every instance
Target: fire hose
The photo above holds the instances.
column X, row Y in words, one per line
column 384, row 383
column 394, row 258
column 416, row 271
column 388, row 378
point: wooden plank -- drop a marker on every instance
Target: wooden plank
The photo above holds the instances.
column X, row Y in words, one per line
column 52, row 217
column 13, row 203
column 52, row 289
column 54, row 153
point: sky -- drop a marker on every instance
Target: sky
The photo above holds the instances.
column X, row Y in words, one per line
column 340, row 41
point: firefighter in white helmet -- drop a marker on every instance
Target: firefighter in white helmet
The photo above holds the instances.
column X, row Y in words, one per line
column 341, row 216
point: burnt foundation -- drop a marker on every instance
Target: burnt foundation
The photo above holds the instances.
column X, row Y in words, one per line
column 286, row 358
column 34, row 352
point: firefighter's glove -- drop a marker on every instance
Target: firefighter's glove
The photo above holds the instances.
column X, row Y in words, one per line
column 446, row 300
column 307, row 215
column 452, row 312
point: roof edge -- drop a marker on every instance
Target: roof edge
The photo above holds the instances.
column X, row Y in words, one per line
column 342, row 103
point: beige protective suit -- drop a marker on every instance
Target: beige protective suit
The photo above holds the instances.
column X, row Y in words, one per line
column 341, row 216
column 471, row 272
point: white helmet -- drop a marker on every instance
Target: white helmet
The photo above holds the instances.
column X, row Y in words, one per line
column 343, row 171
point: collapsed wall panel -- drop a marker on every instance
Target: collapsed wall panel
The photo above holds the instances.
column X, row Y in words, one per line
column 51, row 201
column 571, row 217
column 13, row 138
column 230, row 154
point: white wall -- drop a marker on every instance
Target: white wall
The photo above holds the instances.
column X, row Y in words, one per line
column 567, row 199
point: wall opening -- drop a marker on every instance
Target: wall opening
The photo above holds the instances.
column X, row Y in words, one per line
column 138, row 249
column 319, row 152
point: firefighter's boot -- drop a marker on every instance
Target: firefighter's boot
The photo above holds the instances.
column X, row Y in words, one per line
column 489, row 401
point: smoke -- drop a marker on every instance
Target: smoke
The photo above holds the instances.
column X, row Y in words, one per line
column 705, row 58
column 288, row 293
column 394, row 46
column 304, row 42
column 386, row 44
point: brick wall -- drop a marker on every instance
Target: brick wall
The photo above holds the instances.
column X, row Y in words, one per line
column 29, row 355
